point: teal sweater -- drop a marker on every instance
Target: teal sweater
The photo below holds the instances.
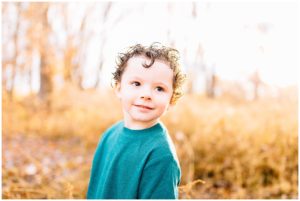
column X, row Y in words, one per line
column 135, row 164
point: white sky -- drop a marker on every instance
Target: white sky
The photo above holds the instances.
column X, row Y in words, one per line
column 227, row 31
column 228, row 34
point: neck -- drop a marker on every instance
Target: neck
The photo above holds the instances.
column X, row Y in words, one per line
column 139, row 125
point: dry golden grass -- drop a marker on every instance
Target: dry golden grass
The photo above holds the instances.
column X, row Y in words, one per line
column 241, row 149
column 227, row 148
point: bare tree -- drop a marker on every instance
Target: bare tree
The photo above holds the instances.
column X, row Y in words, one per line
column 46, row 77
column 76, row 42
column 256, row 82
column 211, row 82
column 10, row 62
column 110, row 18
column 106, row 11
column 37, row 36
column 201, row 69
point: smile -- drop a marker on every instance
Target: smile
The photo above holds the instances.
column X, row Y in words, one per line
column 144, row 107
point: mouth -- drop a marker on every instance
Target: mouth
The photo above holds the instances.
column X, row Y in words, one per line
column 144, row 107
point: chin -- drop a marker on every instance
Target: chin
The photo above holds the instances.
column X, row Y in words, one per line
column 143, row 119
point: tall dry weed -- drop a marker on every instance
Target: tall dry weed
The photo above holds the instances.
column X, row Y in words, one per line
column 227, row 148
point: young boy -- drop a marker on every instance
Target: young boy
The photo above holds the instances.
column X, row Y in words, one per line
column 136, row 158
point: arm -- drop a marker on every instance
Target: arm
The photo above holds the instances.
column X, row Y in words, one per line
column 160, row 179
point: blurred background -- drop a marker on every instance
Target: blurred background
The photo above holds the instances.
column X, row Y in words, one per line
column 235, row 130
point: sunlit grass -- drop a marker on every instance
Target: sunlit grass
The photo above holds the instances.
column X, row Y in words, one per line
column 227, row 148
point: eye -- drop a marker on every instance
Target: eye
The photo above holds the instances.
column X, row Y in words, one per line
column 135, row 83
column 160, row 89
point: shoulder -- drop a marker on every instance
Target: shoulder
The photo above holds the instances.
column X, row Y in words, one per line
column 159, row 164
column 163, row 148
column 112, row 130
column 164, row 144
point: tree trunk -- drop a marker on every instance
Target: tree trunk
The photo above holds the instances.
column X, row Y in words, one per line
column 14, row 60
column 46, row 83
column 211, row 84
column 256, row 81
column 45, row 67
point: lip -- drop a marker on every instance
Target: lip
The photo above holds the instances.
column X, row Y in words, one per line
column 144, row 107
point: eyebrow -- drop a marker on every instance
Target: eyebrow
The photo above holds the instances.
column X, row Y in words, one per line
column 156, row 83
column 160, row 83
column 135, row 78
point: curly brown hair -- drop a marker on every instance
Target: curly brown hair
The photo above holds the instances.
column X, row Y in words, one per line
column 153, row 52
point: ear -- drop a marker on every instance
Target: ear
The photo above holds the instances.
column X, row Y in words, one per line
column 172, row 102
column 117, row 90
column 171, row 105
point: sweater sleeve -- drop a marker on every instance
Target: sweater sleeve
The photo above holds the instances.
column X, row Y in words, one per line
column 160, row 179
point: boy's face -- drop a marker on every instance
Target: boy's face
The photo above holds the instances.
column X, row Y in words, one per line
column 145, row 93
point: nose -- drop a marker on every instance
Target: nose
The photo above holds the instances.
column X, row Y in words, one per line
column 146, row 97
column 146, row 94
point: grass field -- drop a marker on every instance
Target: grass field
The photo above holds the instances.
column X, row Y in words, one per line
column 227, row 148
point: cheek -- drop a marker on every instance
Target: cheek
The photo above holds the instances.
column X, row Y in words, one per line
column 164, row 100
column 126, row 96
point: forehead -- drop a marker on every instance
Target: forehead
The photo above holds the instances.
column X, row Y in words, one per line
column 160, row 70
column 140, row 60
